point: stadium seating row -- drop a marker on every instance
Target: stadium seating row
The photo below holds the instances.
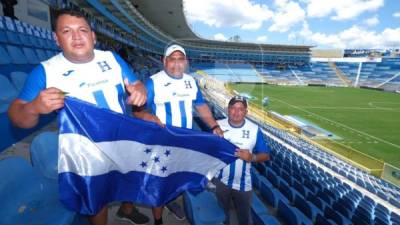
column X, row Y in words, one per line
column 375, row 185
column 30, row 194
column 290, row 183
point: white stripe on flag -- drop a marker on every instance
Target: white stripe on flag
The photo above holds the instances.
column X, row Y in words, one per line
column 92, row 159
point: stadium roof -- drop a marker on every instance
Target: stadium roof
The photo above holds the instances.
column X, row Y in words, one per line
column 168, row 16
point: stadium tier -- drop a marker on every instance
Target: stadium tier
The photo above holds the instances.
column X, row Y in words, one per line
column 301, row 184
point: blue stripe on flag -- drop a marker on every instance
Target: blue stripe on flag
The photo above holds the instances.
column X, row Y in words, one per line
column 183, row 114
column 97, row 191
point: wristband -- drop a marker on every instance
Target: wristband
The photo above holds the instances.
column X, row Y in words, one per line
column 254, row 158
column 214, row 127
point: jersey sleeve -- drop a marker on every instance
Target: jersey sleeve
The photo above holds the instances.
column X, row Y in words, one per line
column 199, row 97
column 261, row 145
column 150, row 95
column 34, row 84
column 127, row 71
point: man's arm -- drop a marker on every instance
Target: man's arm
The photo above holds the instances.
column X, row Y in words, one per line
column 142, row 113
column 26, row 114
column 207, row 117
column 249, row 157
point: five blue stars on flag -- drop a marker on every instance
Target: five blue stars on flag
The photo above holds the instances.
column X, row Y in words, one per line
column 156, row 159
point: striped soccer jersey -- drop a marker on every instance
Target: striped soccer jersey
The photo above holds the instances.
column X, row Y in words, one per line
column 99, row 81
column 172, row 99
column 248, row 136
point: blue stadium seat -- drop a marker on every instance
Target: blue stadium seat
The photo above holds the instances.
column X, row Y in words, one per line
column 30, row 55
column 44, row 154
column 11, row 33
column 395, row 218
column 272, row 177
column 321, row 220
column 41, row 54
column 255, row 177
column 16, row 54
column 291, row 215
column 317, row 202
column 286, row 214
column 394, row 202
column 7, row 93
column 27, row 198
column 4, row 57
column 336, row 216
column 286, row 191
column 260, row 213
column 3, row 36
column 203, row 208
column 49, row 53
column 342, row 209
column 307, row 208
column 18, row 79
column 303, row 191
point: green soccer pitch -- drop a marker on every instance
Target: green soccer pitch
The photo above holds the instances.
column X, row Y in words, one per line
column 365, row 120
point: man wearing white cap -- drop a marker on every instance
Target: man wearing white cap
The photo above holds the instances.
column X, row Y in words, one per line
column 171, row 96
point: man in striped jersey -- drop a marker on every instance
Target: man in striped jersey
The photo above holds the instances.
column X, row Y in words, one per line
column 99, row 77
column 171, row 97
column 234, row 181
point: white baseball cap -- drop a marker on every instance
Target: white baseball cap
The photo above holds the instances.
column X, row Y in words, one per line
column 172, row 49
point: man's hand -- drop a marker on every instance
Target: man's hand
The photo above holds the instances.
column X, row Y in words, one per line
column 48, row 100
column 243, row 154
column 218, row 131
column 137, row 91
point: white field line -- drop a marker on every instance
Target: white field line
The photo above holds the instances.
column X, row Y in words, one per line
column 343, row 125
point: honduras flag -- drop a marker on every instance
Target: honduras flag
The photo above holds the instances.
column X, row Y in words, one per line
column 106, row 156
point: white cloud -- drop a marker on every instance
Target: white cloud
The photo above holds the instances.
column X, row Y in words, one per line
column 262, row 38
column 220, row 37
column 391, row 37
column 372, row 21
column 232, row 13
column 396, row 14
column 287, row 15
column 354, row 37
column 341, row 9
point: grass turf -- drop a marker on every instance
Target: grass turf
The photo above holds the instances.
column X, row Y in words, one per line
column 365, row 120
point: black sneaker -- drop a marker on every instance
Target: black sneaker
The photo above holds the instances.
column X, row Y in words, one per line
column 158, row 222
column 176, row 209
column 135, row 217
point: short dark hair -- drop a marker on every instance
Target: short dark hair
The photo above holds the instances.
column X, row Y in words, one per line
column 70, row 12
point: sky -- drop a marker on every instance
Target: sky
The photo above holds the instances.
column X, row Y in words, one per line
column 325, row 24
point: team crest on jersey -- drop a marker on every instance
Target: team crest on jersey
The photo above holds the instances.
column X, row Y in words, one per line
column 246, row 134
column 104, row 66
column 67, row 73
column 188, row 84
